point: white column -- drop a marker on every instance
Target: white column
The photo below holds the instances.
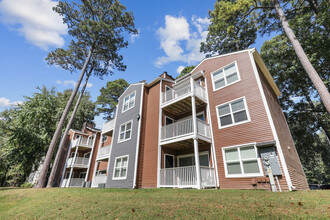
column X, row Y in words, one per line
column 196, row 151
column 96, row 161
column 159, row 133
column 72, row 163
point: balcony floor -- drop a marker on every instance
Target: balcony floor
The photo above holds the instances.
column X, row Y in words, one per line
column 182, row 105
column 185, row 143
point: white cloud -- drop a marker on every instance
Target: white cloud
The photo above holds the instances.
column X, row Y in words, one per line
column 4, row 102
column 179, row 69
column 35, row 20
column 134, row 36
column 176, row 32
column 72, row 82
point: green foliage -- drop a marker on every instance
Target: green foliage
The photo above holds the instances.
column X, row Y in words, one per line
column 28, row 129
column 26, row 185
column 108, row 99
column 186, row 70
column 306, row 116
column 97, row 25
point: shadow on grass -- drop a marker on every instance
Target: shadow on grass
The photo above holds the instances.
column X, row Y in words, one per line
column 11, row 188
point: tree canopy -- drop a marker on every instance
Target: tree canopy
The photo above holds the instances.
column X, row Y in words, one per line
column 108, row 99
column 186, row 70
column 27, row 130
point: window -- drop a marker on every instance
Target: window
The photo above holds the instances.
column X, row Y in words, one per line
column 72, row 154
column 104, row 138
column 242, row 161
column 129, row 102
column 125, row 131
column 225, row 76
column 168, row 120
column 232, row 113
column 78, row 136
column 101, row 172
column 200, row 116
column 120, row 170
column 82, row 175
column 189, row 160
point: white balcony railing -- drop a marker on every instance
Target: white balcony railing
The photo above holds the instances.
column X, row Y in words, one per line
column 101, row 178
column 103, row 152
column 177, row 93
column 75, row 182
column 185, row 177
column 108, row 126
column 79, row 162
column 184, row 127
column 83, row 142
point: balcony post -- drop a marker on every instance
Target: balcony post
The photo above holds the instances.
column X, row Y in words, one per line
column 197, row 164
column 71, row 169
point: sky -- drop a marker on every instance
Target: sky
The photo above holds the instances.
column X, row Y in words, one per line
column 169, row 38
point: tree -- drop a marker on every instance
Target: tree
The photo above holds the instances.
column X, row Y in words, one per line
column 27, row 129
column 108, row 99
column 96, row 27
column 235, row 24
column 186, row 70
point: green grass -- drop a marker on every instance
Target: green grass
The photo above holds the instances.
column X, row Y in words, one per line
column 76, row 203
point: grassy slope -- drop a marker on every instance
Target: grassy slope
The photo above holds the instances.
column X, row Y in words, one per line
column 76, row 203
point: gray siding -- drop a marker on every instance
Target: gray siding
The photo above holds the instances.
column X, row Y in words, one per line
column 127, row 147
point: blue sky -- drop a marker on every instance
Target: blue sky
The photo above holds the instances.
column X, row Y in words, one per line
column 169, row 36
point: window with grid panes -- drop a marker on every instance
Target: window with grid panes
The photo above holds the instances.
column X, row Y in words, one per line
column 125, row 131
column 129, row 102
column 242, row 161
column 120, row 169
column 232, row 113
column 225, row 76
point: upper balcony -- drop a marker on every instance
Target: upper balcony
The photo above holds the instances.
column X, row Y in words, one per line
column 178, row 99
column 79, row 162
column 83, row 142
column 108, row 126
column 103, row 153
column 183, row 131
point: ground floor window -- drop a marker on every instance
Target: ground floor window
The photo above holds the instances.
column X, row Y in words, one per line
column 82, row 175
column 242, row 161
column 189, row 160
column 120, row 167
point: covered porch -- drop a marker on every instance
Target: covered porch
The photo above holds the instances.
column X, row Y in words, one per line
column 179, row 168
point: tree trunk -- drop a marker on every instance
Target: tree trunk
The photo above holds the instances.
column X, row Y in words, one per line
column 51, row 182
column 44, row 170
column 3, row 180
column 313, row 75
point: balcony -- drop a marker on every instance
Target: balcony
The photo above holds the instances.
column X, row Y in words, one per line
column 103, row 152
column 75, row 182
column 108, row 126
column 185, row 177
column 178, row 99
column 80, row 162
column 83, row 142
column 99, row 179
column 184, row 129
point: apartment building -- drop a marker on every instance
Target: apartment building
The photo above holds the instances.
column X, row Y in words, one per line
column 219, row 126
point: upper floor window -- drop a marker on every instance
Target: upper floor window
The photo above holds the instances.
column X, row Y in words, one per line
column 125, row 131
column 242, row 161
column 232, row 113
column 225, row 76
column 129, row 101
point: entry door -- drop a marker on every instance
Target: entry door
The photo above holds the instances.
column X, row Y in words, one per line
column 169, row 173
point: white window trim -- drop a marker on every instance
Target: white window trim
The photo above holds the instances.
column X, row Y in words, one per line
column 261, row 172
column 233, row 124
column 121, row 141
column 192, row 154
column 81, row 173
column 201, row 113
column 114, row 167
column 128, row 102
column 238, row 75
column 171, row 155
column 89, row 155
column 166, row 86
column 169, row 118
column 104, row 137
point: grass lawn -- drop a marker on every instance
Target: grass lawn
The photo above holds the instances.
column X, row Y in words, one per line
column 78, row 203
